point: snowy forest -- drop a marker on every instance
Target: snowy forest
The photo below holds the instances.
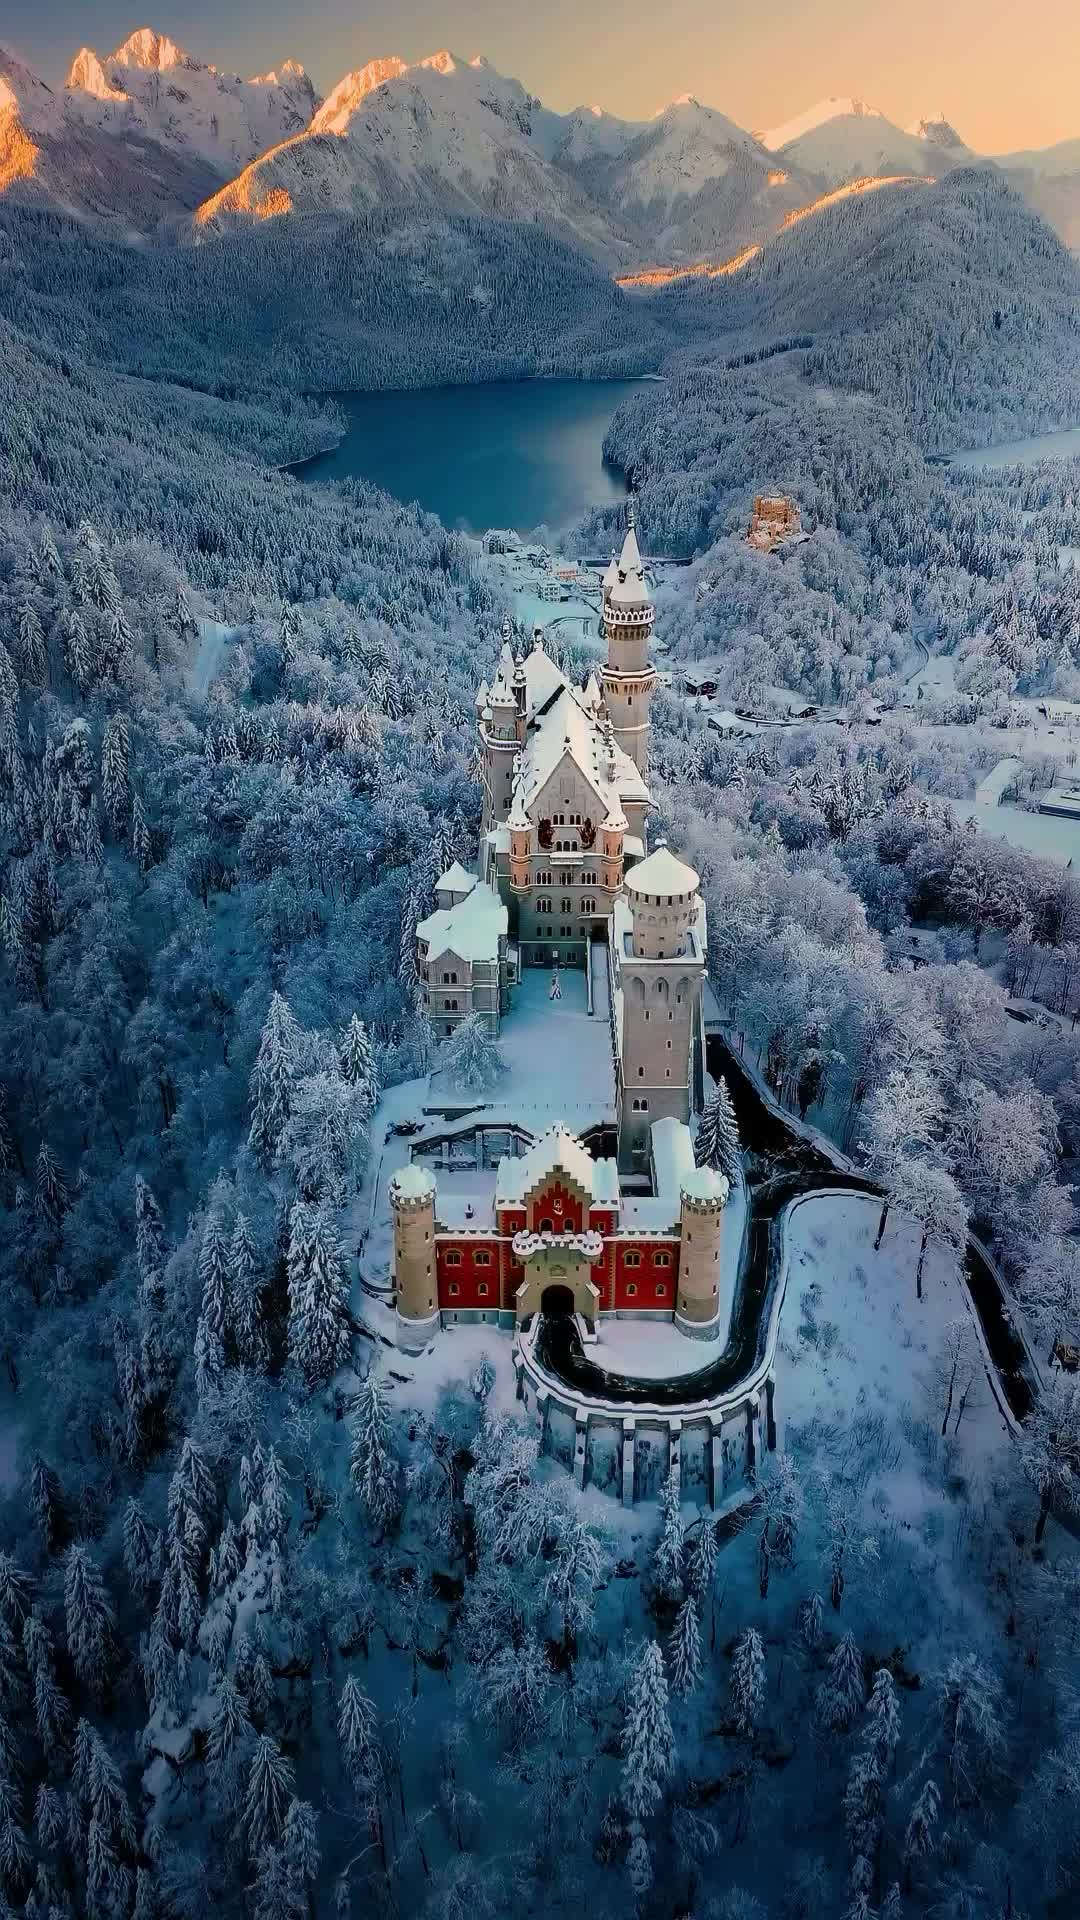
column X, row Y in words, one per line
column 279, row 1637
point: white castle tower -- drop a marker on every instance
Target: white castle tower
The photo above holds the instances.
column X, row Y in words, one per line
column 412, row 1203
column 661, row 968
column 627, row 624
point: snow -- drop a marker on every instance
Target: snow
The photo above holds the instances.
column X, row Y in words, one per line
column 413, row 1182
column 456, row 879
column 471, row 929
column 819, row 115
column 214, row 638
column 649, row 1349
column 856, row 146
column 1064, row 444
column 662, row 872
column 557, row 1057
column 672, row 1150
column 557, row 1151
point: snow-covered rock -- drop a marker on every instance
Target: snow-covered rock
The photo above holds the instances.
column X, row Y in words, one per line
column 937, row 132
column 445, row 135
column 862, row 145
column 819, row 115
column 215, row 120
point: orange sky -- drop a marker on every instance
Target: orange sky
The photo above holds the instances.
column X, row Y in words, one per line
column 1006, row 74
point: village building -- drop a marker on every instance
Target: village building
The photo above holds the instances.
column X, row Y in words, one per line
column 774, row 520
column 565, row 880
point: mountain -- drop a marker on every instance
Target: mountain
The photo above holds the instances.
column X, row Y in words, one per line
column 817, row 116
column 688, row 182
column 51, row 157
column 1050, row 182
column 860, row 144
column 152, row 87
column 444, row 136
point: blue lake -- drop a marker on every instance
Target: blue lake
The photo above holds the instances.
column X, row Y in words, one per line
column 515, row 453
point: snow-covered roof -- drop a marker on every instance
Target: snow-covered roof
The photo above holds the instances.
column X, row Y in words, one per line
column 413, row 1182
column 472, row 928
column 543, row 677
column 629, row 588
column 672, row 1154
column 662, row 873
column 456, row 879
column 557, row 1151
column 703, row 1183
column 566, row 728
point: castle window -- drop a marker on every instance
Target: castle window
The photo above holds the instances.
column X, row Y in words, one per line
column 482, row 1289
column 663, row 1260
column 546, row 1226
column 449, row 979
column 633, row 1260
column 453, row 1289
column 661, row 1290
column 641, row 1073
column 631, row 1290
column 482, row 1259
column 453, row 1257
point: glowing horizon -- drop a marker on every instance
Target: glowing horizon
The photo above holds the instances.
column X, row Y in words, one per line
column 1003, row 86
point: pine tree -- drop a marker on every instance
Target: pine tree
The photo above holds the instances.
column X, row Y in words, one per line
column 701, row 1562
column 919, row 1838
column 269, row 1790
column 883, row 1718
column 31, row 647
column 301, row 1844
column 214, row 1274
column 88, row 1617
column 272, row 1080
column 246, row 1307
column 115, row 790
column 51, row 1709
column 748, row 1681
column 648, row 1742
column 46, row 1504
column 668, row 1559
column 142, row 1549
column 843, row 1690
column 149, row 1240
column 717, row 1142
column 318, row 1303
column 228, row 1740
column 371, row 1464
column 274, row 1498
column 639, row 1865
column 51, row 1187
column 141, row 846
column 278, row 1896
column 357, row 1729
column 686, row 1649
column 358, row 1064
column 472, row 1058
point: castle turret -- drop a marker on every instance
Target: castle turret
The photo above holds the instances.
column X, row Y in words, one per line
column 412, row 1202
column 499, row 744
column 661, row 966
column 702, row 1200
column 627, row 624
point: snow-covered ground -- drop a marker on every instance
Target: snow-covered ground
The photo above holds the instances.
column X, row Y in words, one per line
column 1062, row 445
column 214, row 638
column 558, row 1058
column 649, row 1349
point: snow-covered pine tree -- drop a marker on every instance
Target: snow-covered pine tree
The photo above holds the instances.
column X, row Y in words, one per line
column 269, row 1790
column 318, row 1299
column 358, row 1064
column 88, row 1617
column 272, row 1079
column 747, row 1685
column 301, row 1846
column 274, row 1498
column 115, row 787
column 214, row 1274
column 142, row 1549
column 716, row 1144
column 919, row 1837
column 883, row 1718
column 472, row 1057
column 228, row 1741
column 31, row 639
column 648, row 1743
column 149, row 1240
column 46, row 1504
column 372, row 1466
column 50, row 1186
column 669, row 1556
column 843, row 1690
column 51, row 1708
column 686, row 1649
column 247, row 1312
column 358, row 1735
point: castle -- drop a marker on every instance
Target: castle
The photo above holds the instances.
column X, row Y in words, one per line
column 565, row 881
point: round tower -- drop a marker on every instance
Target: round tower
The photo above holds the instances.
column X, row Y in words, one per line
column 661, row 977
column 626, row 624
column 702, row 1200
column 663, row 896
column 412, row 1203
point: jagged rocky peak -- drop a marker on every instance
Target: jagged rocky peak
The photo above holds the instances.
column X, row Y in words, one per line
column 152, row 51
column 342, row 101
column 834, row 107
column 87, row 75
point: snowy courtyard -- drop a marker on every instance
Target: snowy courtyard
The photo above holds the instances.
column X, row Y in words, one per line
column 557, row 1057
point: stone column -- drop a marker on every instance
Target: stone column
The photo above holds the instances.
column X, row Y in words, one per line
column 629, row 1442
column 750, row 1413
column 675, row 1451
column 716, row 1461
column 581, row 1438
column 770, row 1414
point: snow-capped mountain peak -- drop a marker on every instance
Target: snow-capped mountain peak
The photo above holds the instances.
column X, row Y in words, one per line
column 836, row 107
column 87, row 75
column 342, row 101
column 153, row 52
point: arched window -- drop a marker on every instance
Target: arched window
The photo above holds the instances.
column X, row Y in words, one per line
column 663, row 991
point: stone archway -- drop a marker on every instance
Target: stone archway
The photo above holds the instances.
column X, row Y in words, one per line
column 560, row 1270
column 557, row 1300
